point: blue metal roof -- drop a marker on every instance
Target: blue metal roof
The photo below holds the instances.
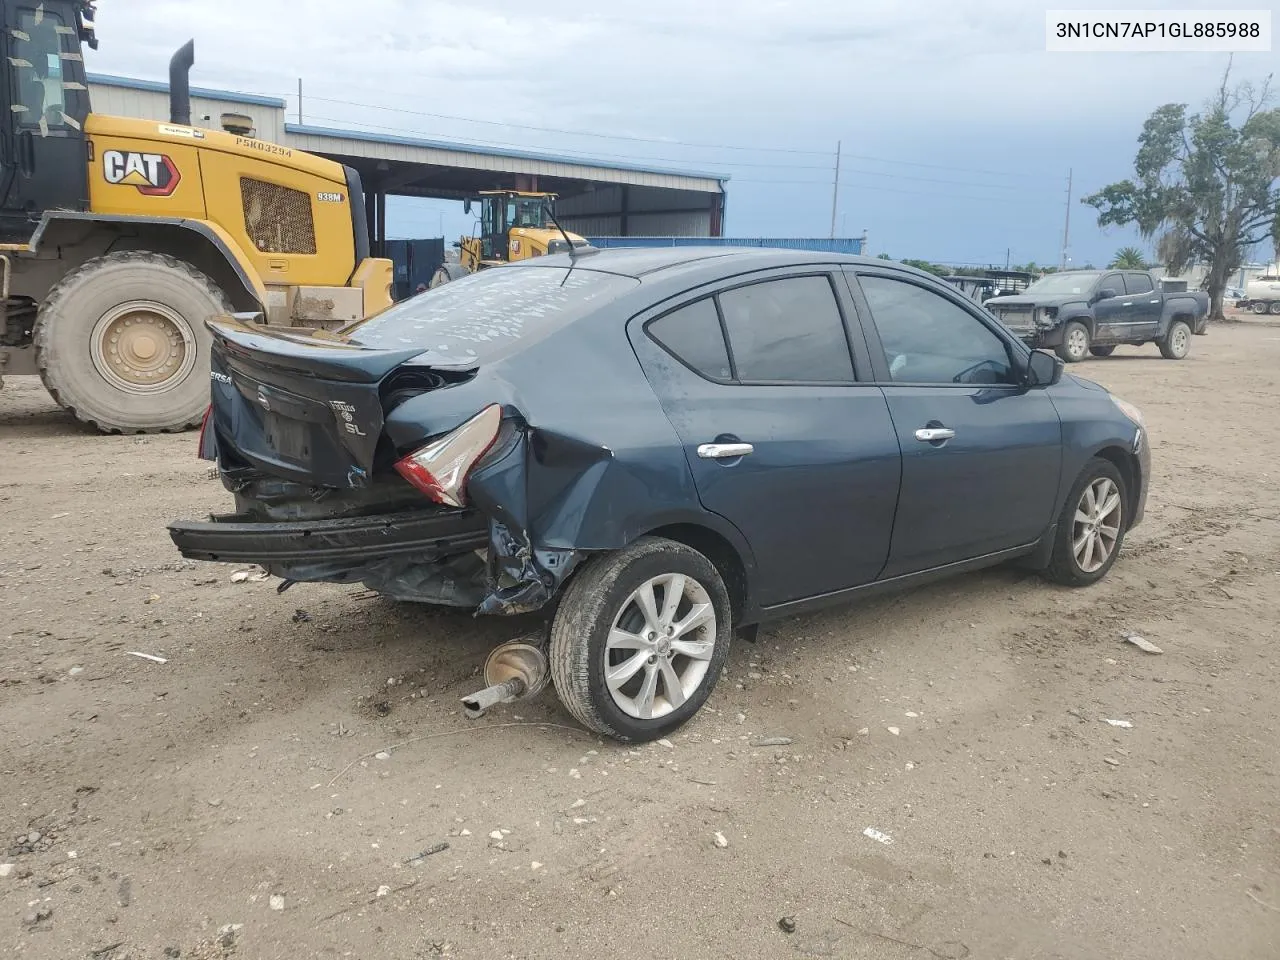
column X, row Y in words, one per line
column 154, row 86
column 852, row 245
column 303, row 129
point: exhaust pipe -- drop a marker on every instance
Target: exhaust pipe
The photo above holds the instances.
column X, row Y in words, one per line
column 179, row 84
column 514, row 671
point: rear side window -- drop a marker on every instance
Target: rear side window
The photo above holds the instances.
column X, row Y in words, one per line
column 787, row 330
column 488, row 315
column 1138, row 283
column 692, row 335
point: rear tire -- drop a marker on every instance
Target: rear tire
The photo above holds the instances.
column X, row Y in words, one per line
column 1102, row 351
column 1177, row 341
column 1083, row 519
column 1274, row 308
column 121, row 342
column 1258, row 307
column 603, row 599
column 1075, row 342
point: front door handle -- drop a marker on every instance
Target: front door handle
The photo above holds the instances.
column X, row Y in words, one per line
column 723, row 451
column 934, row 434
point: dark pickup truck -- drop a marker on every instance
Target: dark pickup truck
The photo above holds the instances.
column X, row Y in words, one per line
column 1082, row 312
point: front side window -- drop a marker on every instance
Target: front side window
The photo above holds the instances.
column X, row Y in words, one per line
column 37, row 67
column 929, row 339
column 787, row 330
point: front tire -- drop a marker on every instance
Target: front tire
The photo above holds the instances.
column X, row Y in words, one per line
column 447, row 272
column 639, row 639
column 121, row 342
column 1177, row 341
column 1091, row 527
column 1102, row 351
column 1075, row 342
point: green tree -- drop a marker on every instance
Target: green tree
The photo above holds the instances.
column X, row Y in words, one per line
column 1205, row 184
column 1128, row 258
column 936, row 269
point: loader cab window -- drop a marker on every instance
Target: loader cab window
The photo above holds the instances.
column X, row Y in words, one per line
column 38, row 69
column 526, row 212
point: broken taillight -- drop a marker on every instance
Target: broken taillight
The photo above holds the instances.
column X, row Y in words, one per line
column 204, row 436
column 440, row 468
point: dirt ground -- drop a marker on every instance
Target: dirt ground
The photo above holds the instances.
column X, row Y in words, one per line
column 277, row 787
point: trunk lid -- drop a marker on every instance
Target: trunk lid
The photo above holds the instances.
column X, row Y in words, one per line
column 301, row 407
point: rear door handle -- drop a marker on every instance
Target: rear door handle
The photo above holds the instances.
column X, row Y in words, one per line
column 723, row 451
column 934, row 434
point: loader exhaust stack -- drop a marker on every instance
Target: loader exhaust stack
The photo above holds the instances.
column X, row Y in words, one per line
column 180, row 85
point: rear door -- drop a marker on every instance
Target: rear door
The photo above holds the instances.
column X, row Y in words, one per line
column 757, row 378
column 981, row 455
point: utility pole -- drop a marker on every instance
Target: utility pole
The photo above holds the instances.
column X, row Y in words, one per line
column 1007, row 251
column 1066, row 227
column 299, row 101
column 835, row 192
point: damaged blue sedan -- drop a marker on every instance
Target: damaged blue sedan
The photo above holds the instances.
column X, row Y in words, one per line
column 660, row 449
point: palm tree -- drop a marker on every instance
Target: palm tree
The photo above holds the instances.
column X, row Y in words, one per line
column 1128, row 258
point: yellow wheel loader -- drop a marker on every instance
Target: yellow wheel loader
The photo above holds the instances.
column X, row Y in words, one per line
column 119, row 238
column 513, row 225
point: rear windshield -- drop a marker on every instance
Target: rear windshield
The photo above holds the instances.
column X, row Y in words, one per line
column 485, row 315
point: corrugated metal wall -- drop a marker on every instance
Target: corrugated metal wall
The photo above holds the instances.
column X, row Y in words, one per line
column 640, row 211
column 817, row 245
column 153, row 105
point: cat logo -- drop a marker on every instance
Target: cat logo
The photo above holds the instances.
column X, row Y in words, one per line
column 153, row 174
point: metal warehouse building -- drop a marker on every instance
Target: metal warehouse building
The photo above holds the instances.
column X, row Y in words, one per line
column 595, row 199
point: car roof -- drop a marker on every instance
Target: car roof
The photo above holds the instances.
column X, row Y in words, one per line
column 642, row 262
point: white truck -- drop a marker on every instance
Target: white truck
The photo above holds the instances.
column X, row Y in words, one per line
column 1263, row 294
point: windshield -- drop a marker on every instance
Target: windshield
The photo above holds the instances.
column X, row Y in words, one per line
column 526, row 212
column 485, row 315
column 1063, row 283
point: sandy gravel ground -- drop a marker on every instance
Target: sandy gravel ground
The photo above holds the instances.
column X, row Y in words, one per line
column 229, row 801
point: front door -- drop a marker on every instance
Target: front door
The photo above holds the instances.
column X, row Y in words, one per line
column 981, row 455
column 43, row 161
column 1113, row 315
column 780, row 440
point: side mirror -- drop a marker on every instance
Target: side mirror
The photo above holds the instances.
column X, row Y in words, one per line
column 1106, row 293
column 1044, row 369
column 466, row 206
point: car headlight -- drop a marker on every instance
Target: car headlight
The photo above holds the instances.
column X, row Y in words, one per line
column 1046, row 316
column 1129, row 410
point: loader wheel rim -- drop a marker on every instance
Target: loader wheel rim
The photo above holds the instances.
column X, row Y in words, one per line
column 143, row 347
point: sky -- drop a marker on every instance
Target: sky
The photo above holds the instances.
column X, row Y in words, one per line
column 957, row 129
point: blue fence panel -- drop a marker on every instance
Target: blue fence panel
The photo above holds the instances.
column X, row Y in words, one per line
column 813, row 244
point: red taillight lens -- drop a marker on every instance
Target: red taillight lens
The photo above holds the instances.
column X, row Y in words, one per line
column 204, row 431
column 440, row 468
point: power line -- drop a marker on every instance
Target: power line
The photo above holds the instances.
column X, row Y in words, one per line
column 878, row 188
column 659, row 140
column 590, row 157
column 571, row 133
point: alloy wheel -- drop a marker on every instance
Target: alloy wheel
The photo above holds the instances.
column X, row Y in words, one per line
column 1096, row 528
column 1078, row 342
column 659, row 646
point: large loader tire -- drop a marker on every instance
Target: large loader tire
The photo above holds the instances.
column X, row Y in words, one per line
column 447, row 271
column 121, row 342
